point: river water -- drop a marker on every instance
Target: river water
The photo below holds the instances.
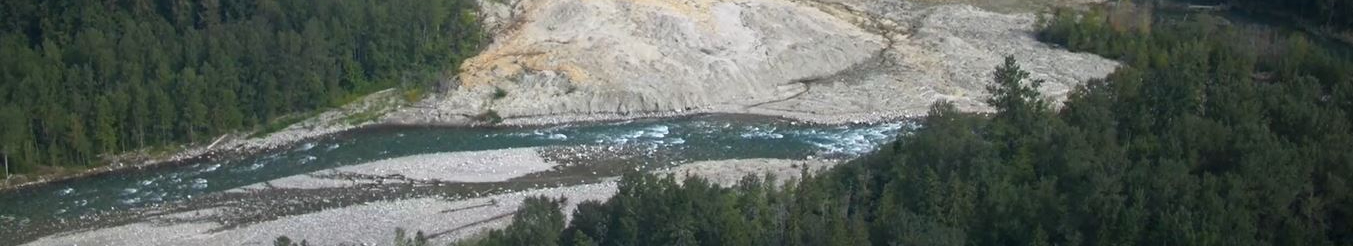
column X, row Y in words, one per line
column 674, row 141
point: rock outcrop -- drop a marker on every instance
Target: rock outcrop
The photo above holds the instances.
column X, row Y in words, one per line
column 818, row 60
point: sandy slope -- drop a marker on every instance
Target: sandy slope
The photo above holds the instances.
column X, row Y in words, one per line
column 827, row 61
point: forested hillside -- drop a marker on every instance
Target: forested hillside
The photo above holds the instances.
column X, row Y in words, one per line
column 1197, row 140
column 1326, row 13
column 81, row 78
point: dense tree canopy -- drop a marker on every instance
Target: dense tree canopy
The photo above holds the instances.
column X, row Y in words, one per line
column 1329, row 13
column 1197, row 140
column 1323, row 14
column 80, row 78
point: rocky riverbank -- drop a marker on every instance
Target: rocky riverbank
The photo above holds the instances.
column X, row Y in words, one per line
column 360, row 113
column 456, row 167
column 371, row 222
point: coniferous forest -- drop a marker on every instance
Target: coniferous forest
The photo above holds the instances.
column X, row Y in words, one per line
column 1210, row 133
column 1323, row 13
column 82, row 78
column 1207, row 135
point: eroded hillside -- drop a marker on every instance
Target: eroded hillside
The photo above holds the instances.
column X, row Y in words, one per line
column 818, row 60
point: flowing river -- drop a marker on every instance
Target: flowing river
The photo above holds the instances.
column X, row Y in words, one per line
column 658, row 143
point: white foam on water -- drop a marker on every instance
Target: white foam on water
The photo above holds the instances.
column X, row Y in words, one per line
column 306, row 146
column 307, row 159
column 65, row 191
column 652, row 134
column 129, row 191
column 546, row 134
column 848, row 141
column 251, row 167
column 632, row 134
column 657, row 131
column 211, row 168
column 761, row 133
column 677, row 141
column 622, row 138
column 511, row 134
column 332, row 147
column 199, row 183
column 147, row 182
column 825, row 148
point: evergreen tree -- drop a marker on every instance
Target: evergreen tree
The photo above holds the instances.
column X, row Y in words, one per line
column 98, row 77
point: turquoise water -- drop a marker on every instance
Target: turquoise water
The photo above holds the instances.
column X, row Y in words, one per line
column 687, row 139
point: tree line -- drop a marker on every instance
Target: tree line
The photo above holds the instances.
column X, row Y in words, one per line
column 1195, row 140
column 1325, row 13
column 1331, row 17
column 83, row 78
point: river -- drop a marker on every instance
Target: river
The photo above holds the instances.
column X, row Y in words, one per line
column 650, row 144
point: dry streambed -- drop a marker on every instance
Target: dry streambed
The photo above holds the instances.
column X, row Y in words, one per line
column 455, row 167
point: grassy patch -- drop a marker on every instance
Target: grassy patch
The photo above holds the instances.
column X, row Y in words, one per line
column 371, row 112
column 364, row 116
column 414, row 94
column 499, row 93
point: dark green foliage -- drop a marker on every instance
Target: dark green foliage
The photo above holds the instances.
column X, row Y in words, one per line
column 81, row 78
column 1195, row 141
column 401, row 239
column 1325, row 13
column 499, row 93
column 490, row 116
column 537, row 222
column 652, row 210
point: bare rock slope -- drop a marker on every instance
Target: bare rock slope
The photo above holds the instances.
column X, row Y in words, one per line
column 817, row 60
